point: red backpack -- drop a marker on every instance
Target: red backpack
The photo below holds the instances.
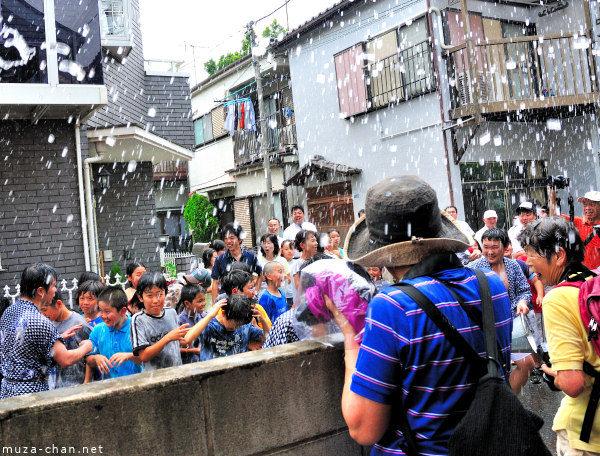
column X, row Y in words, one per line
column 589, row 309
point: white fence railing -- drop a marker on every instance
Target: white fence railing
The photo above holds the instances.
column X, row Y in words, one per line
column 63, row 287
column 169, row 257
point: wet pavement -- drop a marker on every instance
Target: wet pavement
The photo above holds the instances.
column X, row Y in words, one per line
column 544, row 402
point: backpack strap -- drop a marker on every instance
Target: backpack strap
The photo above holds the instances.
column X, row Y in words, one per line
column 489, row 323
column 590, row 411
column 589, row 238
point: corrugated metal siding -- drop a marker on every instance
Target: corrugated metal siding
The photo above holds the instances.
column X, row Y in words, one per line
column 218, row 121
column 242, row 214
column 352, row 90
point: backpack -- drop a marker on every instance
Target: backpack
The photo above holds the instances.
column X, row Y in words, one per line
column 589, row 310
column 496, row 423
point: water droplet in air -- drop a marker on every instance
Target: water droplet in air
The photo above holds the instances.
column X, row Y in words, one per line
column 131, row 166
column 51, row 138
column 151, row 112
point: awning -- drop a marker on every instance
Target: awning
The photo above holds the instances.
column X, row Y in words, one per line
column 123, row 144
column 319, row 169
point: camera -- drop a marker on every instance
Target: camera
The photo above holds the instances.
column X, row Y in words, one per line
column 558, row 182
column 548, row 379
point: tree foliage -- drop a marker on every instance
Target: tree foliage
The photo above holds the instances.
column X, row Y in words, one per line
column 272, row 31
column 200, row 218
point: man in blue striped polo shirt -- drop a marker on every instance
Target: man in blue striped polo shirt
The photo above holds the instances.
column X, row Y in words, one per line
column 404, row 357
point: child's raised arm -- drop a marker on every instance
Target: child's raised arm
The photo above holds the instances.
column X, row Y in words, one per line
column 177, row 334
column 264, row 322
column 197, row 329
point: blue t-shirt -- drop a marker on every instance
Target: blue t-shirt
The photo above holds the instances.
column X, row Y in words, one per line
column 224, row 261
column 187, row 358
column 404, row 356
column 273, row 305
column 217, row 342
column 96, row 321
column 107, row 341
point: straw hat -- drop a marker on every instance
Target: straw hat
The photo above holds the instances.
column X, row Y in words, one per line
column 402, row 226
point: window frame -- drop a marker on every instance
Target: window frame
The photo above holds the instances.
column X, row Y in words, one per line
column 405, row 86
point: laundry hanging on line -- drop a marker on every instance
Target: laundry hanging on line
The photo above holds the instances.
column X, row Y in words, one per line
column 240, row 115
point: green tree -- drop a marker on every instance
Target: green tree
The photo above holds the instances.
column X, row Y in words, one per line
column 272, row 31
column 199, row 215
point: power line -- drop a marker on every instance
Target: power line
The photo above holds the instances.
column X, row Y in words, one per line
column 270, row 14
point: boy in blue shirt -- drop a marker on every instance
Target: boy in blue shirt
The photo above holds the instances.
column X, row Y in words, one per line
column 191, row 303
column 112, row 352
column 273, row 299
column 228, row 332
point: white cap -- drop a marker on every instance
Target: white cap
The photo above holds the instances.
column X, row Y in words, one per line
column 592, row 196
column 489, row 214
column 525, row 206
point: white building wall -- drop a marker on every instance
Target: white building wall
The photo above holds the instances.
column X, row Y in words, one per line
column 400, row 139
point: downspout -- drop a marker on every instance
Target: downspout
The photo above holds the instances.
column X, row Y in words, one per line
column 90, row 210
column 439, row 92
column 82, row 204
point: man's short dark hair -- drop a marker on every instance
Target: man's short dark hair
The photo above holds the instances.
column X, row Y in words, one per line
column 235, row 279
column 35, row 276
column 150, row 280
column 114, row 297
column 297, row 207
column 93, row 287
column 546, row 235
column 495, row 234
column 453, row 207
column 238, row 309
column 276, row 219
column 232, row 228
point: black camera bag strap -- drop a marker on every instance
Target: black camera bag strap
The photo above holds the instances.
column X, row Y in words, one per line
column 590, row 411
column 589, row 238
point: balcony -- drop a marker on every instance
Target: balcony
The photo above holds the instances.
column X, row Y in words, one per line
column 50, row 59
column 524, row 73
column 281, row 138
column 169, row 171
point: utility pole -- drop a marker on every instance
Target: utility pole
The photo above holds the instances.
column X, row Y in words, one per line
column 262, row 121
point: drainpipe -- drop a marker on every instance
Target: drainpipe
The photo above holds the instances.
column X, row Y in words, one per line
column 439, row 92
column 90, row 210
column 82, row 205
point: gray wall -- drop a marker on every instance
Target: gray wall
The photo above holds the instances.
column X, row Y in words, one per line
column 40, row 218
column 284, row 401
column 126, row 217
column 361, row 142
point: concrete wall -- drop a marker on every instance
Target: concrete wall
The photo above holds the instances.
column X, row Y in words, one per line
column 284, row 401
column 40, row 219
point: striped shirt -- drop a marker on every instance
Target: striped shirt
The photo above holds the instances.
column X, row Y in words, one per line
column 405, row 356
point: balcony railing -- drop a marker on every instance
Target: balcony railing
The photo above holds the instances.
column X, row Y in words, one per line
column 281, row 136
column 522, row 73
column 169, row 171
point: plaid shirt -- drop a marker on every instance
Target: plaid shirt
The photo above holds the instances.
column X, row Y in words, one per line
column 26, row 349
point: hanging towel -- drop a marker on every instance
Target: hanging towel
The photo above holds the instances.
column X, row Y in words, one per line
column 230, row 119
column 250, row 118
column 242, row 116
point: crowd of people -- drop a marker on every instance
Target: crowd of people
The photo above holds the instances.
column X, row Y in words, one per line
column 239, row 300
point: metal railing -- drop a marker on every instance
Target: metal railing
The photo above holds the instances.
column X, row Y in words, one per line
column 524, row 73
column 401, row 76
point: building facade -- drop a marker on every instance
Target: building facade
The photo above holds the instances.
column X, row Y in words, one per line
column 397, row 89
column 83, row 122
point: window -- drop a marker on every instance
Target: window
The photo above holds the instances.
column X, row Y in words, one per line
column 113, row 18
column 389, row 68
column 115, row 27
column 501, row 186
column 210, row 126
